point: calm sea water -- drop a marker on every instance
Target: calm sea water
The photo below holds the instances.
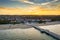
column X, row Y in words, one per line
column 23, row 34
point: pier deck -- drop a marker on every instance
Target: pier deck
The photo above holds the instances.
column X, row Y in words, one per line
column 52, row 34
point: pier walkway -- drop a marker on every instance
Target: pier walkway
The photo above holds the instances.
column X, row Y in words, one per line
column 52, row 34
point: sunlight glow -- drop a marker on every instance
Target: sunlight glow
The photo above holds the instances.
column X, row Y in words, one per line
column 31, row 10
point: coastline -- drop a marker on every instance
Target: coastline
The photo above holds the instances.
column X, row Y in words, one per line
column 25, row 26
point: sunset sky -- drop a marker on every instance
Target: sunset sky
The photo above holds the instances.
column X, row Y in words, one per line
column 29, row 7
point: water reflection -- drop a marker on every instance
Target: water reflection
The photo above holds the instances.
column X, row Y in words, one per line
column 23, row 34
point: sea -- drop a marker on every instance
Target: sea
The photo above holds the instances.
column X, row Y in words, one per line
column 24, row 34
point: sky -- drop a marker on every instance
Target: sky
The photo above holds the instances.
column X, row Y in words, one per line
column 29, row 7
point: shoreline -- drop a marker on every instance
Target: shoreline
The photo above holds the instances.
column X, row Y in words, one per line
column 25, row 26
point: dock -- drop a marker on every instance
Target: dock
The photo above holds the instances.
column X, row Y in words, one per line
column 49, row 33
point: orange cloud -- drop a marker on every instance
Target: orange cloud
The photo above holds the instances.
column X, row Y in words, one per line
column 31, row 10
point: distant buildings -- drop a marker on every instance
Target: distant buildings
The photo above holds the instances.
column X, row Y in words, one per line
column 19, row 19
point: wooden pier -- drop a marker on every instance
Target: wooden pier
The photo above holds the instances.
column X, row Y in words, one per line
column 56, row 36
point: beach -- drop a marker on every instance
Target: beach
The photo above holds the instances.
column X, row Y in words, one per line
column 25, row 26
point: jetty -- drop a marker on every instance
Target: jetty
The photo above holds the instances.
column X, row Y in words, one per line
column 49, row 33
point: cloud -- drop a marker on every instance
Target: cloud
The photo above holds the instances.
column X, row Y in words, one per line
column 50, row 5
column 29, row 2
column 19, row 0
column 25, row 1
column 31, row 10
column 48, row 2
